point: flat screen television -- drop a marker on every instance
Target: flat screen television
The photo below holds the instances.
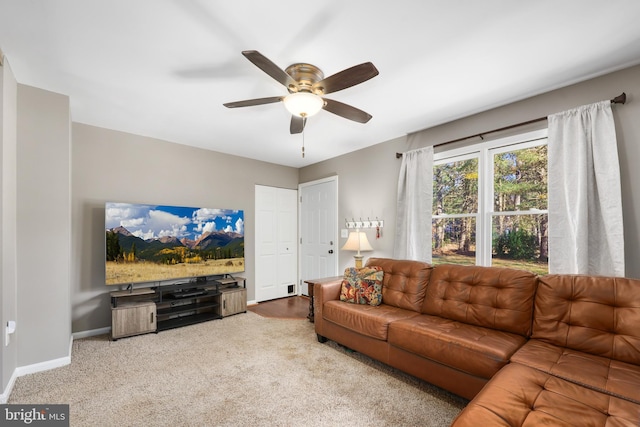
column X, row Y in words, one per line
column 153, row 243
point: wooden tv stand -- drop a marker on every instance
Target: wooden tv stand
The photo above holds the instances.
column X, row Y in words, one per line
column 143, row 310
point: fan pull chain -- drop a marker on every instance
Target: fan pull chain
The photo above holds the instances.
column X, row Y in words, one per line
column 304, row 122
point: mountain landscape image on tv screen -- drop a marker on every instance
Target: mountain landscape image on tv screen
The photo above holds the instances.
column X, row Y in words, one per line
column 148, row 243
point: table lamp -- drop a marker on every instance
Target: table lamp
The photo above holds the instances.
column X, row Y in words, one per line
column 357, row 241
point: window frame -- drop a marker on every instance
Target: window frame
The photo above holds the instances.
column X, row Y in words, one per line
column 484, row 152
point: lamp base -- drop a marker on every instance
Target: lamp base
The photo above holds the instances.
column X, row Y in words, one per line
column 358, row 259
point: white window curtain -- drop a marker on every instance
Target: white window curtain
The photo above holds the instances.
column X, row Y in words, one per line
column 413, row 215
column 585, row 201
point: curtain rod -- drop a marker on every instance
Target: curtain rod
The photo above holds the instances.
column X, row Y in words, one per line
column 620, row 99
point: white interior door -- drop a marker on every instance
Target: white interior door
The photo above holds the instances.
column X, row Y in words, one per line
column 287, row 217
column 276, row 242
column 318, row 230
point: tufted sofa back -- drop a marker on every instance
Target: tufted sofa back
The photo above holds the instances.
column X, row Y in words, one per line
column 597, row 315
column 404, row 283
column 491, row 297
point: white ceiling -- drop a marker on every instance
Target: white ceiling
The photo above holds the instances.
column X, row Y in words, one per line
column 163, row 68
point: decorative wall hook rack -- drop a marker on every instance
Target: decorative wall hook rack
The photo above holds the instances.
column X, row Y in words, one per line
column 368, row 223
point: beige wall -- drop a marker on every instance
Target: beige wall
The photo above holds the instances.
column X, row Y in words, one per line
column 367, row 181
column 43, row 227
column 112, row 166
column 368, row 178
column 8, row 191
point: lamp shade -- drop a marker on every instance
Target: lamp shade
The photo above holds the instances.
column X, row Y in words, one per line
column 303, row 104
column 357, row 241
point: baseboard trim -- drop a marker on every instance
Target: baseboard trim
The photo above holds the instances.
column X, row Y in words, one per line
column 92, row 333
column 253, row 302
column 35, row 368
column 43, row 366
column 4, row 397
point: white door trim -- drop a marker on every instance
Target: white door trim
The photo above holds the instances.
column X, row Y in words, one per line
column 334, row 179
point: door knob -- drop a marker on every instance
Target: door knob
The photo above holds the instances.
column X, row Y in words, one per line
column 330, row 251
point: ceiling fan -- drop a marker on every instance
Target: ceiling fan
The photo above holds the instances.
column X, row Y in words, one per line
column 307, row 86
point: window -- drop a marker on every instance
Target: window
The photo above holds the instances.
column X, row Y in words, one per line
column 490, row 204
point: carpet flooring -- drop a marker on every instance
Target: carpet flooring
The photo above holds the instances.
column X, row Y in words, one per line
column 243, row 370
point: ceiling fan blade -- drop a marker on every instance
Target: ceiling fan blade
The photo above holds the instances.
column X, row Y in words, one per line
column 346, row 111
column 251, row 102
column 265, row 64
column 297, row 124
column 347, row 78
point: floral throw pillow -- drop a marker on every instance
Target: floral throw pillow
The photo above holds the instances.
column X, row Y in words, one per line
column 362, row 285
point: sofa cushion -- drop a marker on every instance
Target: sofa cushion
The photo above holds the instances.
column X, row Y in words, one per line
column 597, row 315
column 522, row 396
column 372, row 321
column 405, row 282
column 492, row 297
column 610, row 376
column 362, row 285
column 472, row 349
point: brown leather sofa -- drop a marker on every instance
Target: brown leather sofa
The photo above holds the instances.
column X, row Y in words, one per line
column 581, row 365
column 552, row 350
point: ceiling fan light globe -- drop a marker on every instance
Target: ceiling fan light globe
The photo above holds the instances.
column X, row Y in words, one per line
column 303, row 104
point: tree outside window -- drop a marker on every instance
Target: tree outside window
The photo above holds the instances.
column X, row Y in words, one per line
column 455, row 209
column 490, row 205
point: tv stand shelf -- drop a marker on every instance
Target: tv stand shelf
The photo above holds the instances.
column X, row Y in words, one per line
column 192, row 319
column 186, row 304
column 144, row 310
column 136, row 295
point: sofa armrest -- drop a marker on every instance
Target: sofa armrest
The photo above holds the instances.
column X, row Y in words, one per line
column 324, row 291
column 327, row 291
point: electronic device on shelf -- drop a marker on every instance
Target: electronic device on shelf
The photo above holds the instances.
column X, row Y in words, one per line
column 187, row 293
